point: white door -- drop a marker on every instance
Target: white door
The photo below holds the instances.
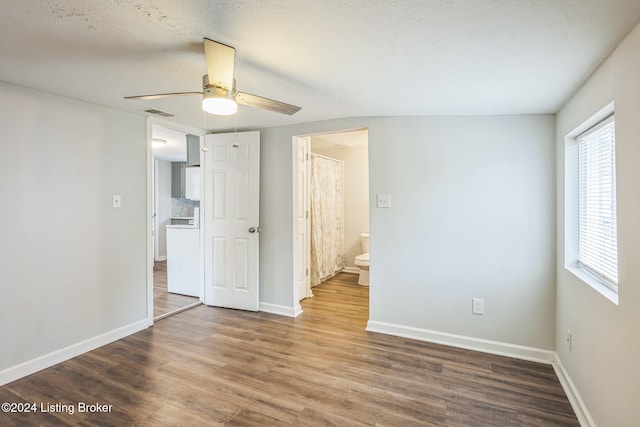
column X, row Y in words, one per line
column 232, row 189
column 301, row 215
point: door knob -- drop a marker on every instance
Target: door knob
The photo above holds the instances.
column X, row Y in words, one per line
column 252, row 230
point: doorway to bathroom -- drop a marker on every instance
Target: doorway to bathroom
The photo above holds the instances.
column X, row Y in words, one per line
column 331, row 206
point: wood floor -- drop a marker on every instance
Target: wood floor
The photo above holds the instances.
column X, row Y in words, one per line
column 163, row 301
column 212, row 367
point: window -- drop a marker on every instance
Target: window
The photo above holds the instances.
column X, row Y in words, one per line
column 597, row 227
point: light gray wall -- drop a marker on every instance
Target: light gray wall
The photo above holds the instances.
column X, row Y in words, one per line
column 72, row 267
column 473, row 215
column 603, row 364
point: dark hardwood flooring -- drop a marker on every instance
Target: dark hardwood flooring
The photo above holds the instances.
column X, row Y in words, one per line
column 163, row 301
column 213, row 367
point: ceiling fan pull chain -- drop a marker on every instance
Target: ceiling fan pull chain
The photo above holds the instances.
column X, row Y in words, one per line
column 235, row 131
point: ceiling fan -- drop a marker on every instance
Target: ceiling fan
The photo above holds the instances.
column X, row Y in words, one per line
column 219, row 95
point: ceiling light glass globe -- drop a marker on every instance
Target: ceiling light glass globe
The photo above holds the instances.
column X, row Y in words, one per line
column 220, row 106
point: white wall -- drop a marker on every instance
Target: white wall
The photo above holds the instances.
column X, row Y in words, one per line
column 72, row 268
column 356, row 194
column 473, row 216
column 603, row 364
column 162, row 179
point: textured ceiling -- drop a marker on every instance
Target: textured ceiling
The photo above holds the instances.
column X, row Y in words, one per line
column 335, row 58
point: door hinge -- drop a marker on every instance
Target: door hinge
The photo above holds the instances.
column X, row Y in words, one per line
column 307, row 157
column 307, row 272
column 306, row 214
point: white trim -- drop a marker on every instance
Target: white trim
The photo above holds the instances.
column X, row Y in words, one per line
column 584, row 418
column 161, row 258
column 571, row 203
column 307, row 243
column 282, row 310
column 46, row 361
column 351, row 270
column 294, row 223
column 150, row 223
column 601, row 115
column 461, row 341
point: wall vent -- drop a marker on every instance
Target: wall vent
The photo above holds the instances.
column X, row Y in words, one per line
column 159, row 113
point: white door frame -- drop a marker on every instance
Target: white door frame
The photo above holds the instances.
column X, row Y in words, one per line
column 294, row 162
column 150, row 209
column 306, row 251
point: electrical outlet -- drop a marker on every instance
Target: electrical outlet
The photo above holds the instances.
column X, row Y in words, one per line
column 570, row 339
column 477, row 306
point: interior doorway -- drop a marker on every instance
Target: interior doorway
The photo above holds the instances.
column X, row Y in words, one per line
column 348, row 151
column 175, row 219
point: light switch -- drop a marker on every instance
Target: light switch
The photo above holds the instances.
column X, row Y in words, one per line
column 477, row 306
column 384, row 200
column 117, row 201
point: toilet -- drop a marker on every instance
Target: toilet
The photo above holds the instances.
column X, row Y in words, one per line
column 362, row 261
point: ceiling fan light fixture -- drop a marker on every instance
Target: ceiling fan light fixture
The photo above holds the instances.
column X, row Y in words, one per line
column 219, row 102
column 219, row 95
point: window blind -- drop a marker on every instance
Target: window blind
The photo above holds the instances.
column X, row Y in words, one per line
column 597, row 235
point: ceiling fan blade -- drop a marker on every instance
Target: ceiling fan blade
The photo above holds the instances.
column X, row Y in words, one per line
column 220, row 61
column 162, row 95
column 266, row 103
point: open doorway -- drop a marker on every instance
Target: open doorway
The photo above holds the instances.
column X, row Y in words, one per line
column 331, row 208
column 175, row 223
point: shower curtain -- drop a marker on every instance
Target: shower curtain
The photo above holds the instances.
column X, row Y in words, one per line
column 327, row 218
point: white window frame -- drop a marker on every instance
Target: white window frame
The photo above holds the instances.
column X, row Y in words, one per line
column 601, row 283
column 597, row 232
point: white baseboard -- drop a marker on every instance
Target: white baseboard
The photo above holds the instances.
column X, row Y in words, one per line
column 298, row 310
column 461, row 341
column 584, row 418
column 282, row 310
column 161, row 258
column 39, row 363
column 353, row 270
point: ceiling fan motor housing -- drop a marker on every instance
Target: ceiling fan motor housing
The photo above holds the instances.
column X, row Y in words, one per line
column 219, row 91
column 217, row 100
